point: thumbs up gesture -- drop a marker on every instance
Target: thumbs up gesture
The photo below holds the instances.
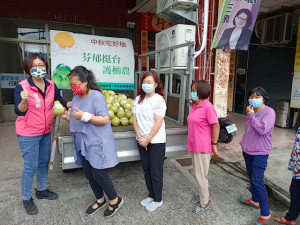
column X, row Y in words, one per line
column 25, row 94
column 77, row 113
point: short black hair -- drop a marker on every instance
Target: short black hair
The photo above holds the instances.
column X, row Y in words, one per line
column 202, row 88
column 259, row 91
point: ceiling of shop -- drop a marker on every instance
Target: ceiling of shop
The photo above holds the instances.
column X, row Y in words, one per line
column 271, row 5
column 265, row 5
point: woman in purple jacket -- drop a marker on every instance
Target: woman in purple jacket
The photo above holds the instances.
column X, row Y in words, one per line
column 256, row 145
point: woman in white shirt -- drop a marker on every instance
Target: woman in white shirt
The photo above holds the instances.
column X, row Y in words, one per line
column 148, row 121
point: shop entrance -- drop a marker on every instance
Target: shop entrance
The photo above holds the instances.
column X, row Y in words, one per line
column 240, row 99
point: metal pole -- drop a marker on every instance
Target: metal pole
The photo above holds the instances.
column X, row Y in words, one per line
column 182, row 100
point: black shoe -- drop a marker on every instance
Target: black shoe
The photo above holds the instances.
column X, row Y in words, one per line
column 30, row 207
column 115, row 207
column 90, row 209
column 46, row 194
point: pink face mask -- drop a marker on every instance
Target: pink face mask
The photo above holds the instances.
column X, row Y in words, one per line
column 77, row 89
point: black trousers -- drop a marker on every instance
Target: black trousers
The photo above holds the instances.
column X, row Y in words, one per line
column 153, row 165
column 99, row 180
column 295, row 201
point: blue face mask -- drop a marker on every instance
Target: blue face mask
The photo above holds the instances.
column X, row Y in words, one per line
column 194, row 96
column 256, row 102
column 38, row 73
column 148, row 88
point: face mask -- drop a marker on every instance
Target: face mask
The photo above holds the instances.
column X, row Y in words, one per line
column 194, row 96
column 256, row 102
column 77, row 89
column 147, row 88
column 38, row 73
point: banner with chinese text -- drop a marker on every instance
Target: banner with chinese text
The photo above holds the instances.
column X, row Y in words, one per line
column 154, row 24
column 297, row 56
column 235, row 25
column 110, row 59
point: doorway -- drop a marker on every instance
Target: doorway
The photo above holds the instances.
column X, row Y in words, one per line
column 240, row 99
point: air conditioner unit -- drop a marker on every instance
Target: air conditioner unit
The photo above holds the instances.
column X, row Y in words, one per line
column 277, row 29
column 176, row 35
column 178, row 4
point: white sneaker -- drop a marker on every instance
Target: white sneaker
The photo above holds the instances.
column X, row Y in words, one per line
column 151, row 206
column 146, row 201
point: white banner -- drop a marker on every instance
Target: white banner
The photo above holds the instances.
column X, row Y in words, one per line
column 110, row 59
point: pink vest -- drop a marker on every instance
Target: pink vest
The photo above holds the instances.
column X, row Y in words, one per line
column 39, row 115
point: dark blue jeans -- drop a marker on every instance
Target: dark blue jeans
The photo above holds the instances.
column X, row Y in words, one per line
column 99, row 181
column 153, row 165
column 256, row 166
column 294, row 209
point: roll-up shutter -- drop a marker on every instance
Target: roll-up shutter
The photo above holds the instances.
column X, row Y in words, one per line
column 271, row 68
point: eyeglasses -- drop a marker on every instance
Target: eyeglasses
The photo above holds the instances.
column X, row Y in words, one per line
column 33, row 66
column 242, row 19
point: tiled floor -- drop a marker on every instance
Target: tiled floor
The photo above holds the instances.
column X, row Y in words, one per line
column 232, row 150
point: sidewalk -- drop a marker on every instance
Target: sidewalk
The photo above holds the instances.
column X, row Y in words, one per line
column 277, row 177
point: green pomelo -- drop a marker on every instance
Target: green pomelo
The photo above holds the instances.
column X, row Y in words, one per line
column 106, row 94
column 64, row 84
column 111, row 114
column 131, row 120
column 121, row 113
column 114, row 108
column 124, row 121
column 115, row 121
column 128, row 114
column 58, row 108
column 111, row 92
column 56, row 79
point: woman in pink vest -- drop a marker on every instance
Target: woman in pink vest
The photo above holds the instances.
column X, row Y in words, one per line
column 33, row 100
column 203, row 133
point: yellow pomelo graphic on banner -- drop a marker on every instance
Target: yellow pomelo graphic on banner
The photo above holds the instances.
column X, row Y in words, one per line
column 64, row 39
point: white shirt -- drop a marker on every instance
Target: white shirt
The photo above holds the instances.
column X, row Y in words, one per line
column 145, row 112
column 235, row 35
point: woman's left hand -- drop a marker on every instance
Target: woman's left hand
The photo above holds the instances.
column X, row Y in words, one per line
column 143, row 142
column 77, row 113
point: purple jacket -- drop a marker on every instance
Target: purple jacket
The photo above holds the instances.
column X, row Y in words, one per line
column 258, row 132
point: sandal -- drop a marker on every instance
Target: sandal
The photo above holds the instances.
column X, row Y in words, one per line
column 263, row 221
column 198, row 208
column 90, row 210
column 284, row 221
column 196, row 200
column 114, row 207
column 248, row 202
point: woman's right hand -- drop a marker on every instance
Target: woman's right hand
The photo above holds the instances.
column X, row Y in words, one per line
column 249, row 109
column 25, row 94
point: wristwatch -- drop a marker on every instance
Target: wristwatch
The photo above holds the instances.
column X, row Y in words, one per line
column 214, row 143
column 139, row 136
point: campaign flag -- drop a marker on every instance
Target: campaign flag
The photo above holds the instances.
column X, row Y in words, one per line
column 235, row 25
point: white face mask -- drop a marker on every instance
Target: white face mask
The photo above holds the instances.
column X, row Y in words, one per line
column 148, row 88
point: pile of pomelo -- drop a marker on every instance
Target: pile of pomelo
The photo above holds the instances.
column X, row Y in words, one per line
column 119, row 108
